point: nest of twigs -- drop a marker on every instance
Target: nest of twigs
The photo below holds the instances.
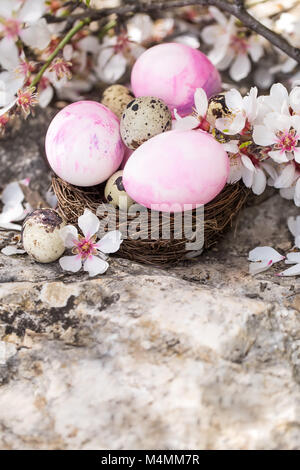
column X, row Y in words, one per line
column 218, row 216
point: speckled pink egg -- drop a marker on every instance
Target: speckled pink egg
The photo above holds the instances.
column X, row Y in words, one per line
column 83, row 143
column 175, row 169
column 173, row 72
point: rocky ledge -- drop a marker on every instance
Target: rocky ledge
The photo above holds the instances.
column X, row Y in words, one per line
column 200, row 356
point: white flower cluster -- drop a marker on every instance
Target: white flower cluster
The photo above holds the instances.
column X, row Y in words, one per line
column 261, row 135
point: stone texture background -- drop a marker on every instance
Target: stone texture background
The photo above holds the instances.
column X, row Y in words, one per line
column 201, row 356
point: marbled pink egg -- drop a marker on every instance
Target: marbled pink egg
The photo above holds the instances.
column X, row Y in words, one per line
column 173, row 72
column 83, row 143
column 175, row 169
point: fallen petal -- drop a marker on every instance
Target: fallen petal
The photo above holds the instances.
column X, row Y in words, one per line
column 293, row 271
column 12, row 250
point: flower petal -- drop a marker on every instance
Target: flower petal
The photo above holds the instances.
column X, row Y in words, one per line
column 265, row 253
column 240, row 67
column 293, row 271
column 286, row 178
column 45, row 96
column 297, row 193
column 295, row 99
column 12, row 194
column 110, row 66
column 71, row 263
column 9, row 54
column 263, row 136
column 201, row 102
column 7, row 7
column 12, row 250
column 37, row 35
column 111, row 242
column 255, row 50
column 69, row 235
column 94, row 265
column 293, row 258
column 32, row 11
column 234, row 100
column 88, row 223
column 278, row 156
column 259, row 267
column 247, row 163
column 259, row 182
column 231, row 125
column 185, row 124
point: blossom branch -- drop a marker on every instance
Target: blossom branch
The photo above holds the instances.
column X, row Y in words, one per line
column 235, row 8
column 60, row 46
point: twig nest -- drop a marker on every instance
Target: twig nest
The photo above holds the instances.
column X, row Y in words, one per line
column 40, row 235
column 217, row 108
column 115, row 192
column 116, row 98
column 144, row 118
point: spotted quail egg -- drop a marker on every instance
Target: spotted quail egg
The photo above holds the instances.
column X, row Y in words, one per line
column 217, row 108
column 115, row 192
column 40, row 235
column 116, row 98
column 144, row 118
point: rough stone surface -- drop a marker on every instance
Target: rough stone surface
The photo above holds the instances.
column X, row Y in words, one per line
column 201, row 356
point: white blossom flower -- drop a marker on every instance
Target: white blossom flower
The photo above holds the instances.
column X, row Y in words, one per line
column 140, row 28
column 86, row 250
column 115, row 53
column 243, row 112
column 13, row 210
column 276, row 101
column 262, row 258
column 241, row 167
column 21, row 19
column 282, row 134
column 198, row 118
column 231, row 45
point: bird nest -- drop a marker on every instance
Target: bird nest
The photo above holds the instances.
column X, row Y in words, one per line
column 218, row 216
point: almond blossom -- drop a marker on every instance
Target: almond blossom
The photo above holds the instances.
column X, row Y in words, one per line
column 232, row 45
column 282, row 134
column 115, row 54
column 198, row 118
column 86, row 250
column 242, row 167
column 21, row 19
column 243, row 112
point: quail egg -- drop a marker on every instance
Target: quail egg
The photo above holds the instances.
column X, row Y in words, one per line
column 144, row 118
column 115, row 192
column 217, row 108
column 116, row 98
column 41, row 235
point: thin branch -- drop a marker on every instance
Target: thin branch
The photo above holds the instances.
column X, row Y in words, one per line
column 236, row 9
column 60, row 46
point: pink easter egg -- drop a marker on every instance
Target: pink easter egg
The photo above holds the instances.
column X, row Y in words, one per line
column 173, row 72
column 83, row 143
column 176, row 171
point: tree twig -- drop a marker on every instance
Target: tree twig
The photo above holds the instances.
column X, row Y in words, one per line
column 235, row 8
column 60, row 46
